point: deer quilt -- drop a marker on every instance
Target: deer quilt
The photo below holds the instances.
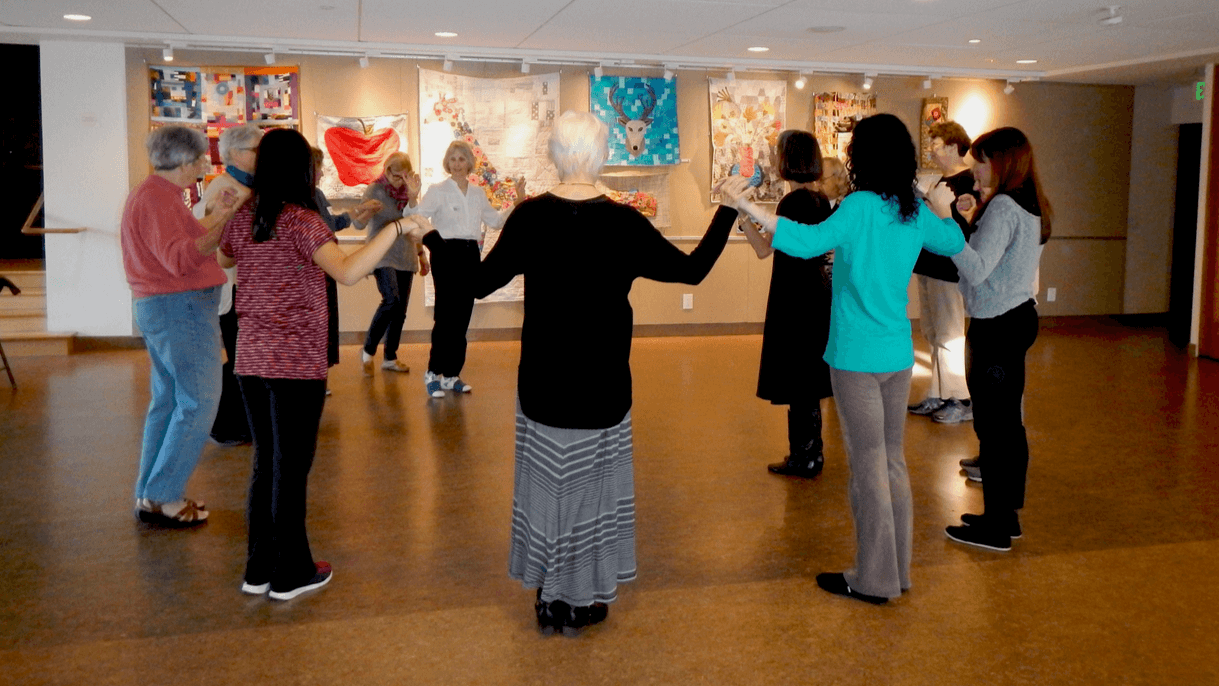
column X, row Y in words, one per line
column 641, row 114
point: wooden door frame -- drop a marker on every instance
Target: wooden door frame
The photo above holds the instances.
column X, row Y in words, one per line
column 1205, row 338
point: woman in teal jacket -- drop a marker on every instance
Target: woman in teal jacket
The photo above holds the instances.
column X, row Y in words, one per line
column 876, row 234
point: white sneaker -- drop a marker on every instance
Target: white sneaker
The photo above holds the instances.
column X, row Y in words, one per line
column 455, row 384
column 395, row 366
column 368, row 362
column 431, row 382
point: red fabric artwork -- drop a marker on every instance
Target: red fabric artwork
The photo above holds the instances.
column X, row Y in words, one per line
column 358, row 156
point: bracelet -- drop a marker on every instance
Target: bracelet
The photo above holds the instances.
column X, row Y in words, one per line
column 398, row 226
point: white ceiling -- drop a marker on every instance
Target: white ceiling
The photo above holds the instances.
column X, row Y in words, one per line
column 1158, row 40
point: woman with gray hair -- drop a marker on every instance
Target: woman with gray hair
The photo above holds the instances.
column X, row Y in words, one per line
column 169, row 258
column 238, row 151
column 573, row 513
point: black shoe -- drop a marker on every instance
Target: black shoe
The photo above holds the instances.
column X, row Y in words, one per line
column 970, row 462
column 837, row 584
column 586, row 615
column 230, row 442
column 981, row 536
column 803, row 468
column 980, row 520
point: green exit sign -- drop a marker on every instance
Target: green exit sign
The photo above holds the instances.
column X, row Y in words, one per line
column 1200, row 91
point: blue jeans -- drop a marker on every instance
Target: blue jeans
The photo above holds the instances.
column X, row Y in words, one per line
column 182, row 334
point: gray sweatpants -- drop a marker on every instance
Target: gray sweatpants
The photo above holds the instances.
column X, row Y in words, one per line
column 872, row 411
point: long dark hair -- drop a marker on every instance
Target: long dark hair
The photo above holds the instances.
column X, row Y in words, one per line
column 881, row 159
column 1015, row 172
column 283, row 175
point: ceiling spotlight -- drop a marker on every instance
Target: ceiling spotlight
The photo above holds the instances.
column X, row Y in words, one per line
column 732, row 75
column 1026, row 61
column 524, row 66
column 668, row 73
column 759, row 48
column 448, row 63
column 598, row 71
column 364, row 62
column 269, row 57
column 975, row 41
column 867, row 81
column 927, row 83
column 445, row 34
column 1009, row 88
column 801, row 81
column 1113, row 19
column 77, row 17
column 168, row 53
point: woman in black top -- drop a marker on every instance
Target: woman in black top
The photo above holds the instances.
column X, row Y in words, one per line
column 797, row 324
column 573, row 517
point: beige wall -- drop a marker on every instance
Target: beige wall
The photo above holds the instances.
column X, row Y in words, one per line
column 1153, row 188
column 1082, row 135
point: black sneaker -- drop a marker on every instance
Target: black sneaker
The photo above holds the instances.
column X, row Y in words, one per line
column 969, row 462
column 980, row 536
column 973, row 472
column 980, row 520
column 837, row 584
column 803, row 468
column 321, row 578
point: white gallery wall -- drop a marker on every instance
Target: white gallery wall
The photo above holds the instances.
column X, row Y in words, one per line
column 84, row 139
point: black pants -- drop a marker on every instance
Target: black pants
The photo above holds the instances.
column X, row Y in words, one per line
column 452, row 268
column 284, row 414
column 332, row 322
column 230, row 423
column 994, row 368
column 387, row 321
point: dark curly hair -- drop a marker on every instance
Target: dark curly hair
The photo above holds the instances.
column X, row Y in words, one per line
column 881, row 159
column 283, row 175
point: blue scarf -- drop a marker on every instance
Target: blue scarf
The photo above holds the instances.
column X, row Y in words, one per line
column 244, row 178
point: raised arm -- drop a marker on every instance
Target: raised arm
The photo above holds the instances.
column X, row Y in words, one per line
column 759, row 241
column 660, row 260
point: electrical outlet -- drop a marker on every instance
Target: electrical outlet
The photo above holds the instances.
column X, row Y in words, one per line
column 1051, row 294
column 687, row 301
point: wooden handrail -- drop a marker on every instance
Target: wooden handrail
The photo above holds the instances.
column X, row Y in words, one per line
column 30, row 230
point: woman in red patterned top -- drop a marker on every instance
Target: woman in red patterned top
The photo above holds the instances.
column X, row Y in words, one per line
column 283, row 250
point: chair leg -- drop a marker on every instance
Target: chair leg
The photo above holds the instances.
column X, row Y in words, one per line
column 8, row 369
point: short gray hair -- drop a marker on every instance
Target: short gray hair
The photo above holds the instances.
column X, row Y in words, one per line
column 170, row 147
column 237, row 138
column 579, row 143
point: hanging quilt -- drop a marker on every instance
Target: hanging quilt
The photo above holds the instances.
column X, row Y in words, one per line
column 507, row 121
column 641, row 114
column 833, row 119
column 354, row 151
column 746, row 118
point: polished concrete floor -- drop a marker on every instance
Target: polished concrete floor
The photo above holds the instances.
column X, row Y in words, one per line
column 1114, row 581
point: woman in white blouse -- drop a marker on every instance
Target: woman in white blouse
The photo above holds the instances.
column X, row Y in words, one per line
column 458, row 211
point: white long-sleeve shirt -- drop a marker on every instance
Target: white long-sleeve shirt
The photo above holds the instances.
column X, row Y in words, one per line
column 458, row 215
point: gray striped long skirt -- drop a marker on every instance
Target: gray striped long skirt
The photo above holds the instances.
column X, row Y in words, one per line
column 573, row 511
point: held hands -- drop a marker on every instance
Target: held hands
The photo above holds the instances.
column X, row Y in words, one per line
column 365, row 210
column 732, row 190
column 940, row 200
column 416, row 227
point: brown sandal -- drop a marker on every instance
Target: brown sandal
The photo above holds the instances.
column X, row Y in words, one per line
column 191, row 515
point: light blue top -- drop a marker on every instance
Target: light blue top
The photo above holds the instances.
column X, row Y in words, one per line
column 999, row 265
column 874, row 255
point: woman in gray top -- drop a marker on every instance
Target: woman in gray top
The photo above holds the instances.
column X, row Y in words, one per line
column 396, row 189
column 997, row 270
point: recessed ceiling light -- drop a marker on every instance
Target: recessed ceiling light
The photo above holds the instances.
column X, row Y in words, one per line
column 1026, row 61
column 975, row 40
column 825, row 29
column 759, row 48
column 77, row 17
column 446, row 34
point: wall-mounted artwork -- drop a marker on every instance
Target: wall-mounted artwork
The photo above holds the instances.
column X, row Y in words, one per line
column 935, row 110
column 176, row 94
column 641, row 114
column 354, row 151
column 834, row 117
column 273, row 96
column 746, row 118
column 224, row 97
column 507, row 121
